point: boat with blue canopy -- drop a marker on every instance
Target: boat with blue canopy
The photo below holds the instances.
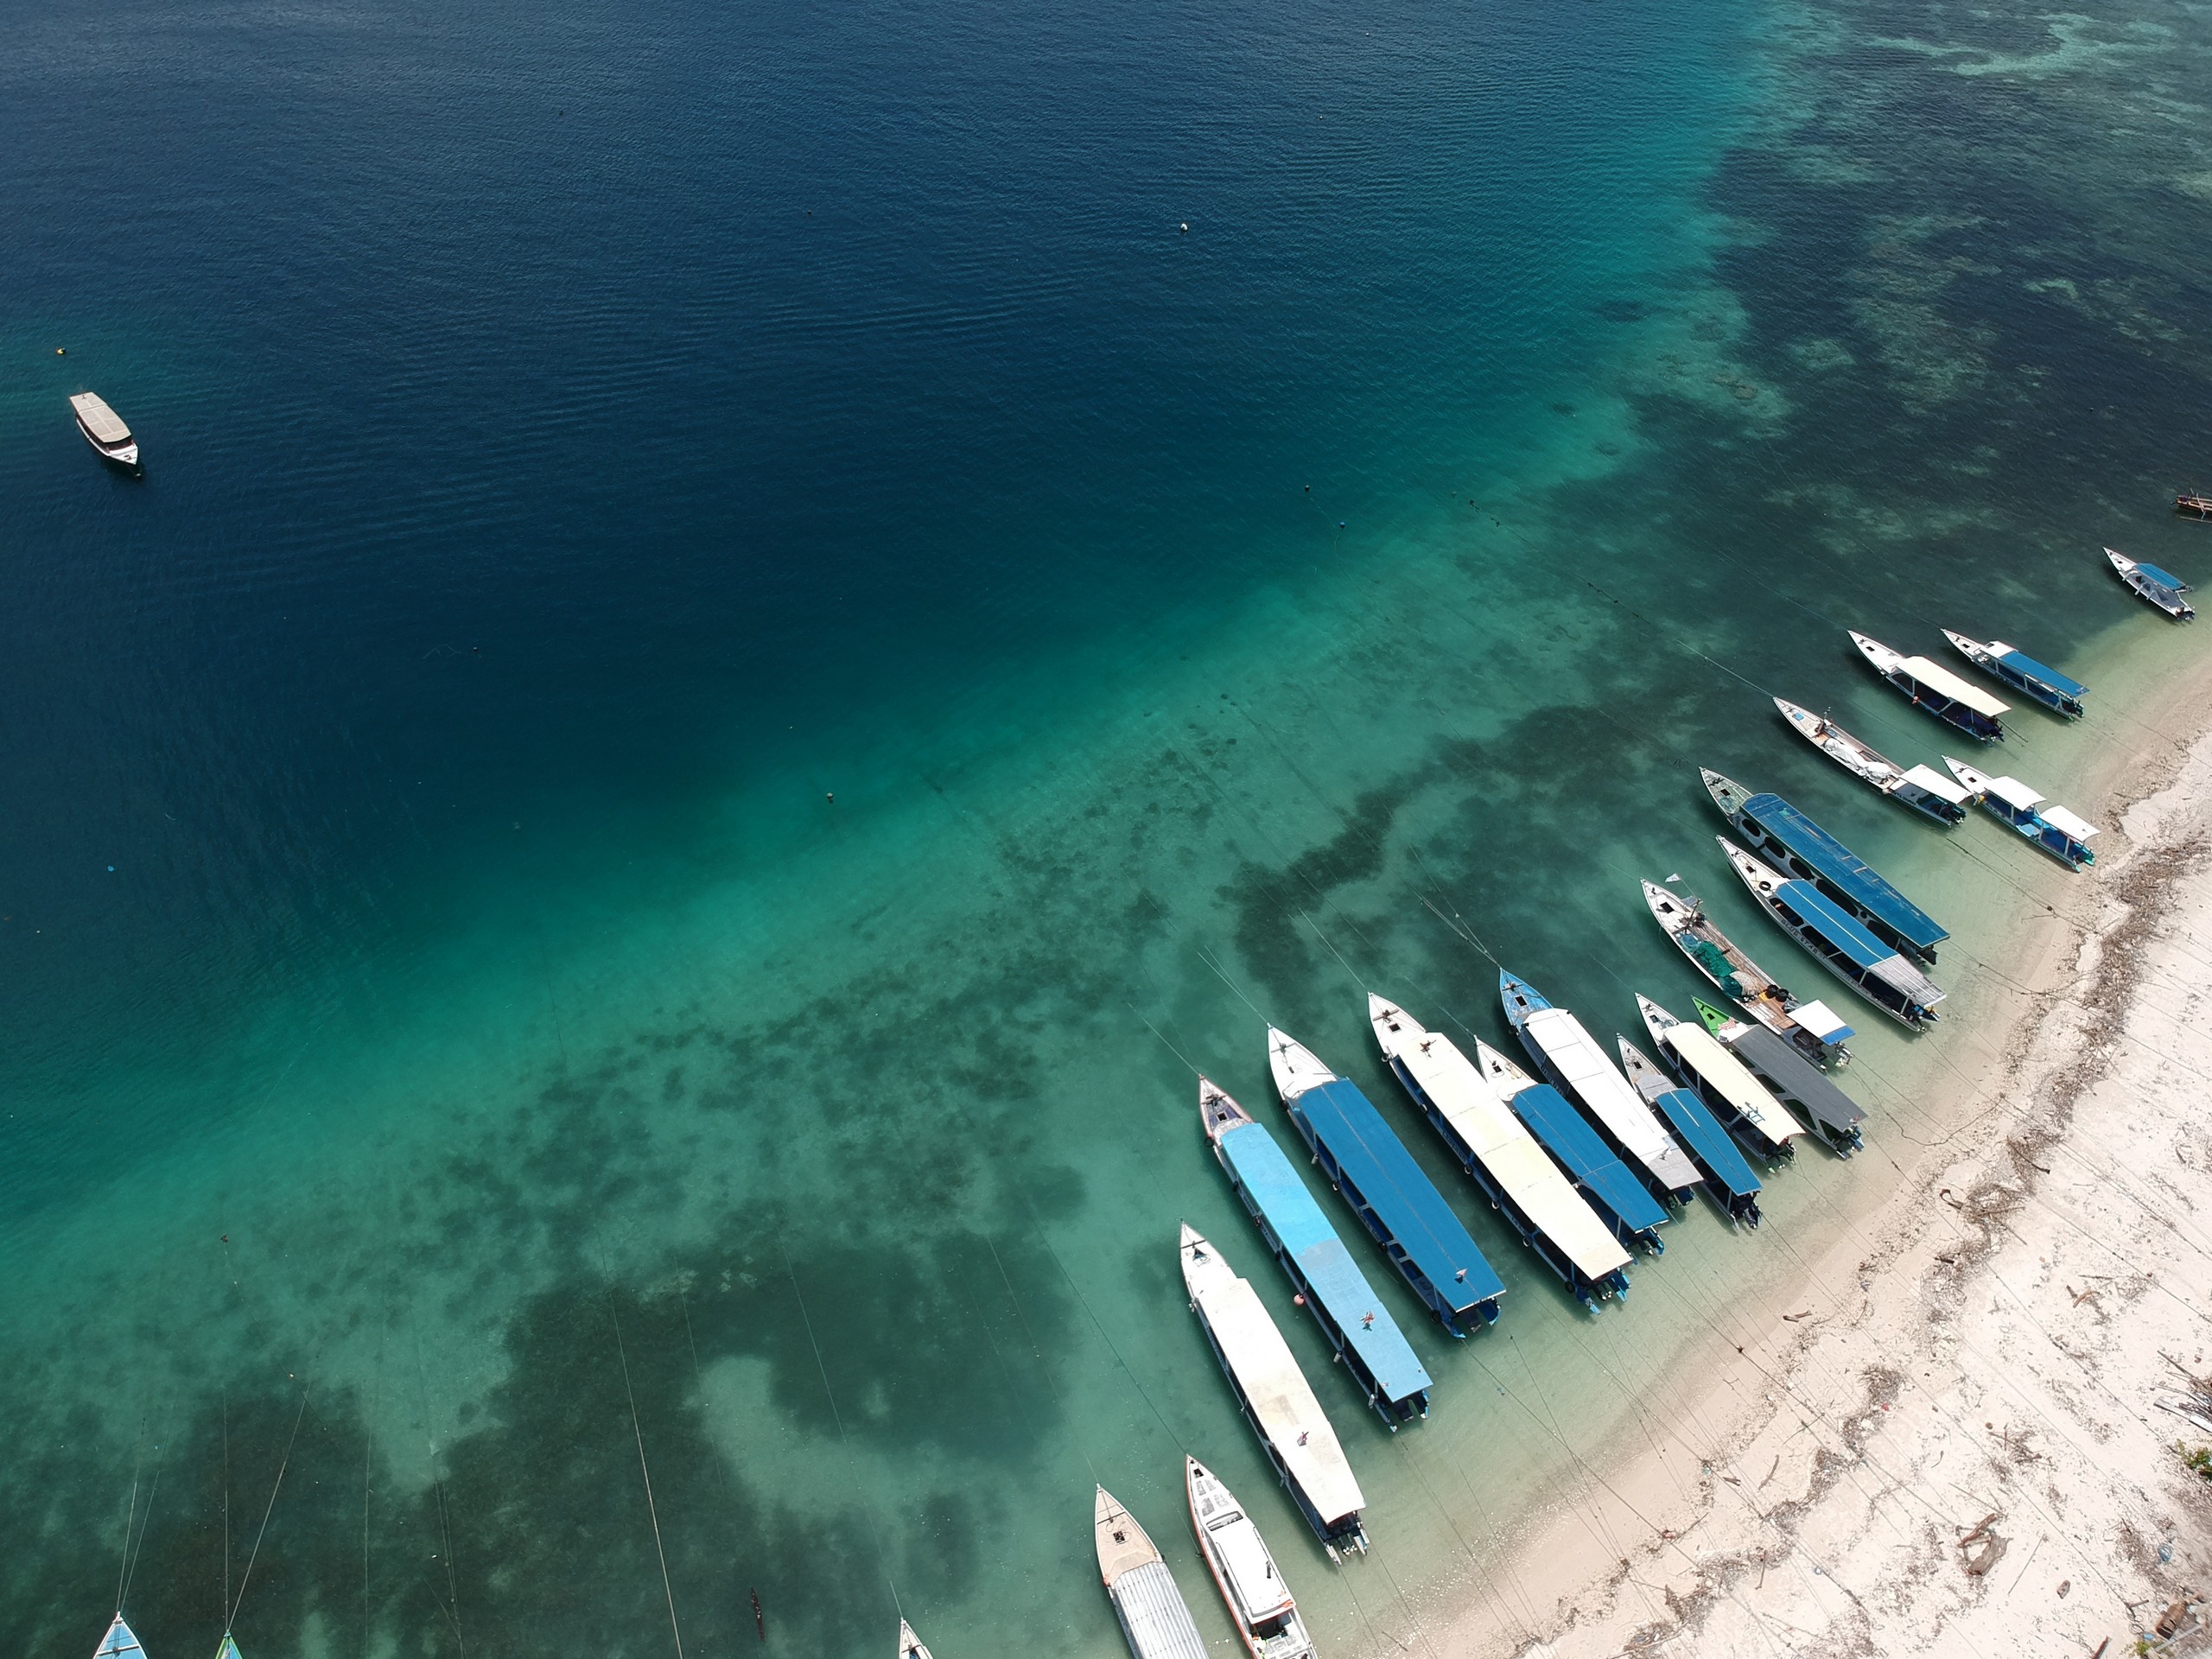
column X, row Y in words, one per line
column 1597, row 1172
column 1729, row 1181
column 1726, row 1086
column 1810, row 1027
column 1792, row 843
column 2045, row 824
column 1327, row 1279
column 1923, row 789
column 2160, row 588
column 1931, row 686
column 2055, row 690
column 1572, row 1061
column 1374, row 1173
column 1837, row 942
column 1805, row 1089
column 1501, row 1156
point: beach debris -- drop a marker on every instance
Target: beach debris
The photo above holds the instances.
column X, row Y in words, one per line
column 2101, row 1646
column 1992, row 1551
column 2064, row 1584
column 2172, row 1619
column 1794, row 1318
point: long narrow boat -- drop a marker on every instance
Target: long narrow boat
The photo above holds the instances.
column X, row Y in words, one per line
column 2196, row 506
column 1931, row 686
column 1812, row 1026
column 1354, row 1319
column 1500, row 1155
column 119, row 1643
column 1374, row 1173
column 1728, row 1179
column 1571, row 1060
column 1156, row 1619
column 1805, row 1089
column 2055, row 690
column 1837, row 942
column 1274, row 1395
column 1619, row 1198
column 2159, row 589
column 1725, row 1083
column 1923, row 789
column 2045, row 824
column 1792, row 843
column 909, row 1645
column 1260, row 1604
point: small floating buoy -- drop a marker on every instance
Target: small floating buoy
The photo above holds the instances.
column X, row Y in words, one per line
column 111, row 869
column 1185, row 228
column 61, row 350
column 829, row 794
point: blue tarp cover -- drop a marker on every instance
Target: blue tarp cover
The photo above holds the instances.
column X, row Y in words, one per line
column 2167, row 577
column 1263, row 1172
column 1714, row 1147
column 1346, row 1121
column 1822, row 914
column 1844, row 868
column 1566, row 1134
column 2020, row 662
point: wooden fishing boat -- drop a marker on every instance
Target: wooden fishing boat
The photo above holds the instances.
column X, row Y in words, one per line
column 1156, row 1619
column 1923, row 789
column 909, row 1645
column 1274, row 1396
column 2160, row 589
column 1260, row 1604
column 2193, row 505
column 1872, row 968
column 1930, row 686
column 1724, row 1083
column 1728, row 1179
column 1811, row 1027
column 2060, row 692
column 2047, row 825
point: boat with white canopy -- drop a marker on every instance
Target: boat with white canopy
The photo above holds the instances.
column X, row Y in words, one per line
column 2059, row 692
column 1260, row 1604
column 2045, row 824
column 105, row 430
column 1728, row 1179
column 1156, row 1619
column 1723, row 1082
column 1614, row 1195
column 1810, row 1027
column 2160, row 588
column 1804, row 1088
column 1931, row 686
column 1923, row 789
column 1500, row 1155
column 1837, row 942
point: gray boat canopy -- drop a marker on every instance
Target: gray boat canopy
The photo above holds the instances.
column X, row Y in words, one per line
column 103, row 422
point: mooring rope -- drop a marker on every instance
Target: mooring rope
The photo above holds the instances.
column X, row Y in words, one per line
column 652, row 1510
column 230, row 1613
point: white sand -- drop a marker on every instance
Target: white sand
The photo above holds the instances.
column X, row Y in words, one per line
column 1959, row 1448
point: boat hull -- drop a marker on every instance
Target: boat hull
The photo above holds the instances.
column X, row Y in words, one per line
column 1912, row 1015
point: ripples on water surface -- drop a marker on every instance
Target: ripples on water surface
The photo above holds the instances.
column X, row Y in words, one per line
column 580, row 441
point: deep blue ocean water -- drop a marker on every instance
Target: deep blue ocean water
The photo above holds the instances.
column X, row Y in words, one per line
column 582, row 440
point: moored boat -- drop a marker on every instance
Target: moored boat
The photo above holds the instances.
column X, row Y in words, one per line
column 1500, row 1155
column 1260, row 1604
column 2045, row 824
column 1724, row 1083
column 1931, row 686
column 1923, row 789
column 1804, row 1088
column 1838, row 943
column 1357, row 1322
column 1374, row 1173
column 1272, row 1394
column 103, row 429
column 1791, row 842
column 1156, row 1619
column 229, row 1648
column 1729, row 1181
column 119, row 1643
column 1810, row 1027
column 2160, row 588
column 2194, row 504
column 1616, row 1197
column 909, row 1645
column 2055, row 690
column 1571, row 1059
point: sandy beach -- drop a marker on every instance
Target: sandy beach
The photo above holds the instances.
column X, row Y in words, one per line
column 1963, row 1430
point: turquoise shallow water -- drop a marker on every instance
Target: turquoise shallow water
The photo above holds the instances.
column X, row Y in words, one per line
column 577, row 450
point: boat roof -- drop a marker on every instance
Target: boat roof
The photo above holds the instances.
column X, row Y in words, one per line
column 1795, row 1077
column 1695, row 1124
column 1422, row 1224
column 1256, row 1589
column 1938, row 678
column 1822, row 1021
column 1270, row 1181
column 2014, row 793
column 119, row 1643
column 1838, row 864
column 1275, row 1390
column 107, row 426
column 1936, row 784
column 2043, row 673
column 1587, row 1159
column 1728, row 1077
column 2059, row 818
column 1469, row 1102
column 1823, row 913
column 1599, row 1085
column 1155, row 1615
column 2164, row 578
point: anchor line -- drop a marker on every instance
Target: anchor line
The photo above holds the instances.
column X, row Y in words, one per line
column 652, row 1510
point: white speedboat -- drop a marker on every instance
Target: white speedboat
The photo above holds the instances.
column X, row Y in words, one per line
column 103, row 429
column 1922, row 788
column 1260, row 1604
column 2154, row 587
